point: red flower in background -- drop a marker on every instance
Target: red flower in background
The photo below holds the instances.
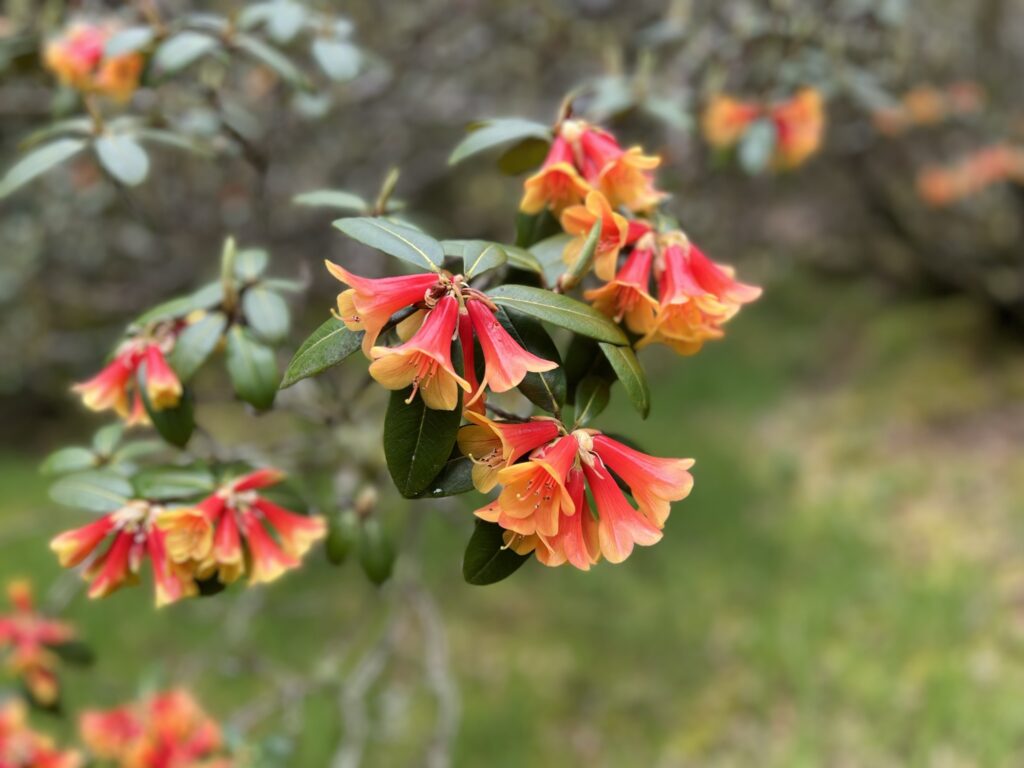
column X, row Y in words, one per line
column 21, row 747
column 77, row 58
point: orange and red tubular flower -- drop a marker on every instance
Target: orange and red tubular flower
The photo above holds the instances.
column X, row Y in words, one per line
column 494, row 445
column 799, row 127
column 297, row 533
column 653, row 482
column 163, row 389
column 109, row 388
column 369, row 303
column 112, row 569
column 535, row 494
column 577, row 541
column 578, row 220
column 77, row 59
column 173, row 581
column 620, row 526
column 726, row 119
column 505, row 362
column 22, row 747
column 626, row 298
column 269, row 560
column 623, row 176
column 425, row 361
column 469, row 344
column 73, row 547
column 557, row 184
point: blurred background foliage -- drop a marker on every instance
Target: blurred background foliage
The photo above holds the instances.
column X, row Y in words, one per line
column 844, row 585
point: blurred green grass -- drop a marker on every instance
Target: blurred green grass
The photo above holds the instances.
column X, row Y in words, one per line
column 842, row 587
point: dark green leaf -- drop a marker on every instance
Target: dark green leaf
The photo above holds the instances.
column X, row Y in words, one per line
column 558, row 310
column 98, row 491
column 629, row 371
column 328, row 345
column 331, row 198
column 70, row 459
column 342, row 536
column 456, row 477
column 546, row 390
column 592, row 397
column 494, row 133
column 38, row 162
column 487, row 560
column 252, row 368
column 376, row 552
column 524, row 156
column 266, row 312
column 175, row 425
column 531, row 228
column 167, row 483
column 106, row 438
column 397, row 240
column 206, row 297
column 74, row 652
column 548, row 253
column 478, row 256
column 196, row 343
column 520, row 258
column 182, row 49
column 417, row 441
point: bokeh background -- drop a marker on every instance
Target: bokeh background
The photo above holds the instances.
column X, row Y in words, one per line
column 845, row 585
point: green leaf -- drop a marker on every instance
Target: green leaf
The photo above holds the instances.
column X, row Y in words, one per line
column 376, row 552
column 339, row 60
column 524, row 156
column 173, row 139
column 74, row 652
column 478, row 256
column 252, row 368
column 38, row 162
column 106, row 438
column 756, row 146
column 136, row 449
column 128, row 41
column 328, row 345
column 285, row 20
column 520, row 258
column 332, row 198
column 417, row 441
column 196, row 343
column 250, row 264
column 558, row 310
column 548, row 253
column 454, row 478
column 592, row 397
column 168, row 483
column 175, row 425
column 629, row 371
column 123, row 158
column 586, row 256
column 546, row 390
column 182, row 49
column 70, row 459
column 531, row 228
column 274, row 60
column 398, row 240
column 342, row 536
column 97, row 491
column 266, row 312
column 487, row 560
column 494, row 133
column 206, row 297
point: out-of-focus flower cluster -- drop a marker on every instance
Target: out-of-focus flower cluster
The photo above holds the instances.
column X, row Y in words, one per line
column 164, row 730
column 799, row 124
column 77, row 58
column 232, row 533
column 926, row 105
column 27, row 642
column 23, row 747
column 940, row 186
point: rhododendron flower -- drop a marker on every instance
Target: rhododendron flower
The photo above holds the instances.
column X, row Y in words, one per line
column 543, row 506
column 21, row 747
column 117, row 386
column 165, row 730
column 626, row 297
column 505, row 362
column 369, row 303
column 214, row 537
column 425, row 361
column 578, row 220
column 494, row 445
column 26, row 640
column 134, row 537
column 799, row 128
column 557, row 184
column 622, row 175
column 77, row 59
column 696, row 297
column 726, row 119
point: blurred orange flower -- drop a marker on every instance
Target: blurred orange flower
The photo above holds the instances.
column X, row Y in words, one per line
column 21, row 747
column 78, row 60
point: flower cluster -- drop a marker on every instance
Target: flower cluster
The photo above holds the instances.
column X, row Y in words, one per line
column 799, row 124
column 981, row 169
column 443, row 308
column 164, row 730
column 76, row 57
column 929, row 105
column 139, row 363
column 232, row 533
column 22, row 747
column 543, row 505
column 27, row 639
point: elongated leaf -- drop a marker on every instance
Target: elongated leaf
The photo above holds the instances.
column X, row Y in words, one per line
column 106, row 438
column 286, row 20
column 520, row 258
column 548, row 253
column 376, row 551
column 174, row 139
column 250, row 264
column 182, row 49
column 531, row 228
column 328, row 345
column 74, row 652
column 496, row 132
column 71, row 459
column 629, row 371
column 455, row 477
column 338, row 59
column 417, row 441
column 524, row 156
column 332, row 198
column 136, row 449
column 38, row 162
column 266, row 312
column 546, row 390
column 486, row 560
column 97, row 491
column 398, row 240
column 128, row 41
column 252, row 368
column 196, row 343
column 274, row 60
column 478, row 256
column 206, row 297
column 592, row 397
column 168, row 483
column 175, row 425
column 586, row 255
column 123, row 158
column 343, row 531
column 559, row 310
